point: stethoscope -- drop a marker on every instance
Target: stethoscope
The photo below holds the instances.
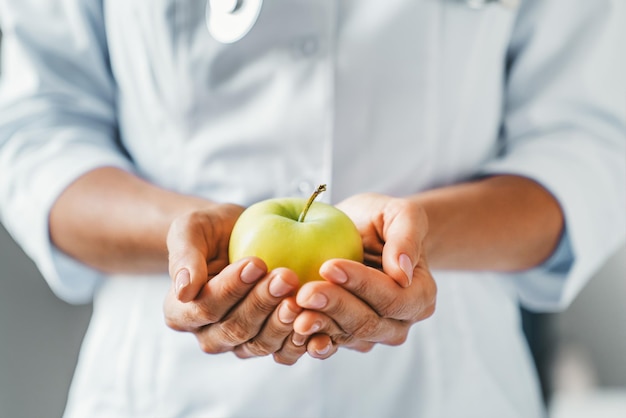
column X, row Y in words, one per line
column 230, row 20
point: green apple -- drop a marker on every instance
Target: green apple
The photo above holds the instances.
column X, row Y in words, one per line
column 295, row 233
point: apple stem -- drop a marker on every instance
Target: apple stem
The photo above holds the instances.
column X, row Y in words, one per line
column 321, row 188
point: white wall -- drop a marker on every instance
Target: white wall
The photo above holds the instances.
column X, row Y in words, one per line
column 594, row 327
column 39, row 338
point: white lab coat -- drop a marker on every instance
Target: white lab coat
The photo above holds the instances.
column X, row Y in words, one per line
column 393, row 97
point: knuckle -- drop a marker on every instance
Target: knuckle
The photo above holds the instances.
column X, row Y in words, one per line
column 260, row 347
column 202, row 312
column 209, row 347
column 184, row 317
column 191, row 219
column 398, row 205
column 173, row 324
column 404, row 311
column 429, row 310
column 182, row 225
column 345, row 340
column 364, row 347
column 233, row 333
column 399, row 308
column 429, row 299
column 360, row 287
column 398, row 339
column 231, row 290
column 241, row 355
column 418, row 211
column 367, row 328
column 206, row 348
column 421, row 304
column 259, row 303
column 285, row 360
column 390, row 308
column 403, row 204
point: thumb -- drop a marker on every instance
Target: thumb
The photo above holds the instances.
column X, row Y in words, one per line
column 404, row 229
column 188, row 252
column 188, row 270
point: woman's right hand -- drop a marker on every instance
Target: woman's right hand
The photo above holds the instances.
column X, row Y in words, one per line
column 237, row 307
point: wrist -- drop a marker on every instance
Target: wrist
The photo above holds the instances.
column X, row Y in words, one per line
column 499, row 223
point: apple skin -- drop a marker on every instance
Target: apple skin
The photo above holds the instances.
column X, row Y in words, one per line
column 271, row 231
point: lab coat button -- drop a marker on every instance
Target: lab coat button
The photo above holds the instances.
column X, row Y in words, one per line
column 305, row 187
column 301, row 188
column 307, row 46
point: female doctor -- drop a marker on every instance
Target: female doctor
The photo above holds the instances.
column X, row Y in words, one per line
column 480, row 152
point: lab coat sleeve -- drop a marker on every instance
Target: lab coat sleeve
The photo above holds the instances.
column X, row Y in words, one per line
column 57, row 122
column 564, row 126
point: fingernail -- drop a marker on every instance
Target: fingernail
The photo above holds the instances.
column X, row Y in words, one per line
column 325, row 350
column 298, row 339
column 182, row 280
column 314, row 328
column 337, row 275
column 316, row 301
column 286, row 315
column 279, row 287
column 251, row 273
column 406, row 266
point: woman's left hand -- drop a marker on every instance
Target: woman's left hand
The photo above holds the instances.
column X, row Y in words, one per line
column 359, row 305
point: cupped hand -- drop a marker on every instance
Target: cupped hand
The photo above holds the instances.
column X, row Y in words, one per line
column 197, row 244
column 237, row 307
column 360, row 305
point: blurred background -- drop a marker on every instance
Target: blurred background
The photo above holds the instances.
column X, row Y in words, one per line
column 580, row 353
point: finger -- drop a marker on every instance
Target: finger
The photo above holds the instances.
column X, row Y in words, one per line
column 321, row 346
column 175, row 312
column 289, row 353
column 313, row 324
column 404, row 227
column 216, row 298
column 351, row 314
column 381, row 293
column 246, row 319
column 360, row 346
column 188, row 249
column 273, row 334
column 231, row 285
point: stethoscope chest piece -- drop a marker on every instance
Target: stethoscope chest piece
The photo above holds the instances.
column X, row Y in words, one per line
column 230, row 20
